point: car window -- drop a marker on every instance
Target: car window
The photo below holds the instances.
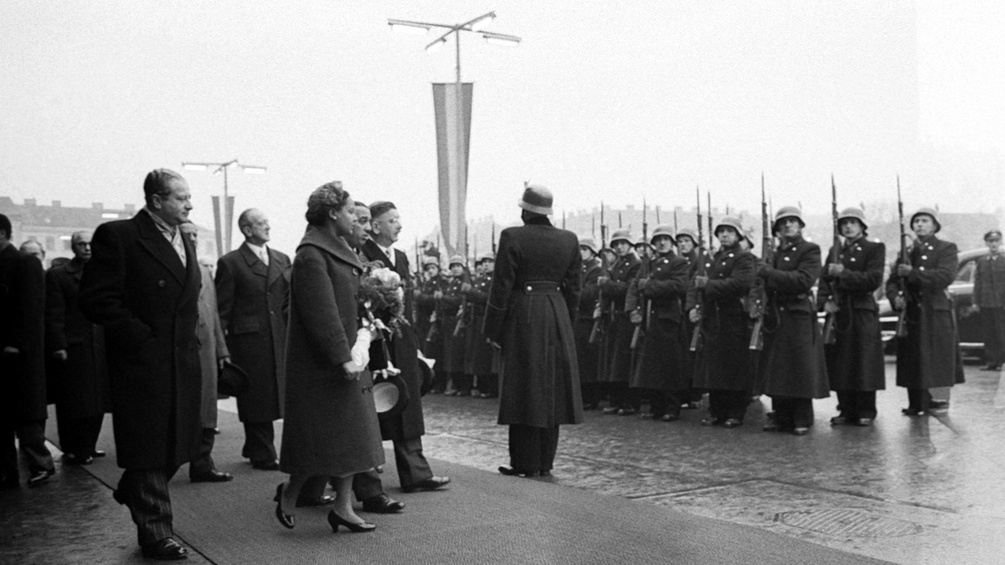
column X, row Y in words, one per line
column 966, row 272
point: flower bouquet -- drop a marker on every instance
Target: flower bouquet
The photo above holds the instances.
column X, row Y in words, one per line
column 382, row 297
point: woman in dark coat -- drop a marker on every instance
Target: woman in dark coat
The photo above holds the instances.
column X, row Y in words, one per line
column 855, row 365
column 792, row 363
column 331, row 427
column 655, row 301
column 927, row 355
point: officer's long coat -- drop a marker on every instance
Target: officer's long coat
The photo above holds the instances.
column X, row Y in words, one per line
column 659, row 354
column 251, row 297
column 136, row 286
column 722, row 362
column 792, row 362
column 928, row 356
column 616, row 353
column 449, row 311
column 587, row 353
column 855, row 361
column 540, row 372
column 80, row 384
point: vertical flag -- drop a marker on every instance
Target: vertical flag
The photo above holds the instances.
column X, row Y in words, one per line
column 453, row 126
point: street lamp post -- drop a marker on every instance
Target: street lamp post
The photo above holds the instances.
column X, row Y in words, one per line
column 228, row 201
column 475, row 25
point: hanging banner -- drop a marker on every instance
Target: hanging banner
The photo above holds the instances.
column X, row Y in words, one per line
column 453, row 128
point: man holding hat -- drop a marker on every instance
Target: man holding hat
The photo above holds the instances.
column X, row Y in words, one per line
column 855, row 366
column 588, row 353
column 531, row 307
column 792, row 365
column 616, row 353
column 722, row 361
column 989, row 300
column 655, row 301
column 481, row 359
column 927, row 356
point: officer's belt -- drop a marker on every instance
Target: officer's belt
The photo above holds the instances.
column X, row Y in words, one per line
column 540, row 287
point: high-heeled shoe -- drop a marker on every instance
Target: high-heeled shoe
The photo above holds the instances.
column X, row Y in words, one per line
column 335, row 521
column 285, row 519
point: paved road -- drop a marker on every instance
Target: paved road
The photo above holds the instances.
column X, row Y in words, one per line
column 909, row 490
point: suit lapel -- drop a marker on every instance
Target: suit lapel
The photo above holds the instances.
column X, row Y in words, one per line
column 373, row 252
column 158, row 246
column 276, row 266
column 255, row 264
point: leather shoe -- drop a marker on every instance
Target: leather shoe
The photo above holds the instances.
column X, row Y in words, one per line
column 212, row 476
column 99, row 453
column 800, row 431
column 432, row 483
column 166, row 549
column 911, row 412
column 710, row 421
column 271, row 465
column 39, row 477
column 72, row 459
column 732, row 423
column 382, row 504
column 841, row 421
column 610, row 410
column 511, row 472
column 670, row 418
column 863, row 422
column 323, row 500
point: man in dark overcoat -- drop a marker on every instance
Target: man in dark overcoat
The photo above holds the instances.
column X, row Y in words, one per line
column 687, row 249
column 927, row 355
column 481, row 359
column 715, row 296
column 142, row 285
column 426, row 325
column 654, row 304
column 22, row 362
column 616, row 354
column 792, row 364
column 252, row 286
column 76, row 349
column 588, row 354
column 855, row 365
column 989, row 300
column 532, row 304
column 450, row 368
column 212, row 355
column 405, row 429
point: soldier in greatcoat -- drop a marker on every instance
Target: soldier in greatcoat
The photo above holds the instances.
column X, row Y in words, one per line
column 989, row 300
column 792, row 364
column 687, row 249
column 715, row 298
column 855, row 366
column 482, row 360
column 531, row 308
column 76, row 350
column 252, row 287
column 654, row 304
column 450, row 299
column 588, row 353
column 616, row 368
column 426, row 323
column 927, row 356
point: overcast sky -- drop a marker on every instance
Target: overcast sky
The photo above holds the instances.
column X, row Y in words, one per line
column 598, row 102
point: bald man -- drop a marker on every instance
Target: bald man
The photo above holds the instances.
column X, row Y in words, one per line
column 252, row 283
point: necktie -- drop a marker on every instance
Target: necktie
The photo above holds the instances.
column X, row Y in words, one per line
column 264, row 256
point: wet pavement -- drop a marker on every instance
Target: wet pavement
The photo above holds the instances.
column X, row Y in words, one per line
column 908, row 490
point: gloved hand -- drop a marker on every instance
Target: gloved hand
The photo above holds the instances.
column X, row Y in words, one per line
column 360, row 353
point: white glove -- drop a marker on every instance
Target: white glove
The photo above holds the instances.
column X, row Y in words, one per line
column 361, row 349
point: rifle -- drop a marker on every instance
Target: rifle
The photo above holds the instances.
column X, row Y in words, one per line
column 759, row 293
column 830, row 336
column 493, row 237
column 644, row 274
column 701, row 271
column 711, row 234
column 463, row 310
column 599, row 318
column 902, row 315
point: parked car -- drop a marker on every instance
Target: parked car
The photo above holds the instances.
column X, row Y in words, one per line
column 962, row 290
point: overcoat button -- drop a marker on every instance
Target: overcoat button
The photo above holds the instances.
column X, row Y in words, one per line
column 162, row 283
column 853, row 259
column 922, row 268
column 529, row 289
column 786, row 258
